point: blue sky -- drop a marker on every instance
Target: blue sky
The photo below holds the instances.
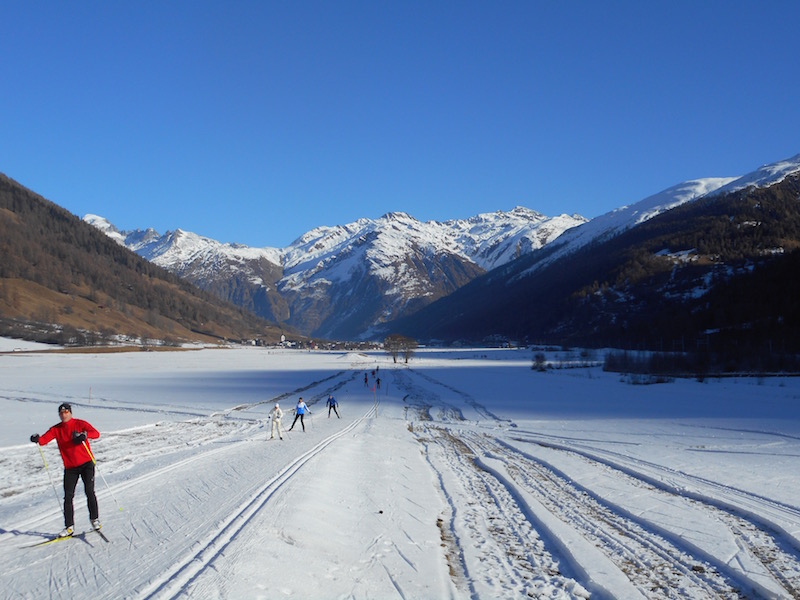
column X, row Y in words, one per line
column 253, row 122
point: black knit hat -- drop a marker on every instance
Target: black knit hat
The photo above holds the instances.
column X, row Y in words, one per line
column 64, row 406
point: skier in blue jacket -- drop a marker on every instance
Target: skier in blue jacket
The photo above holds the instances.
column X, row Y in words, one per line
column 332, row 403
column 299, row 411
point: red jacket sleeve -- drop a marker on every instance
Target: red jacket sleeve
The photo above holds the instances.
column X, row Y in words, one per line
column 73, row 455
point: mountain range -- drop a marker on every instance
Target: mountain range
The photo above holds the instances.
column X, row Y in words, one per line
column 511, row 275
column 709, row 265
column 339, row 282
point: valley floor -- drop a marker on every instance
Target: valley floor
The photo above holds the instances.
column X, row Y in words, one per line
column 465, row 475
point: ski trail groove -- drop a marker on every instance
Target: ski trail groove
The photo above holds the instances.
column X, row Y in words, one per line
column 182, row 572
column 761, row 527
column 652, row 563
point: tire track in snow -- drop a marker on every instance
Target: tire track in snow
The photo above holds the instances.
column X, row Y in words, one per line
column 652, row 564
column 183, row 571
column 697, row 571
column 657, row 564
column 758, row 523
column 479, row 408
column 492, row 546
column 766, row 512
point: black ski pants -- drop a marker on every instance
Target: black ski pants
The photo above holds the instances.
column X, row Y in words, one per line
column 298, row 416
column 71, row 476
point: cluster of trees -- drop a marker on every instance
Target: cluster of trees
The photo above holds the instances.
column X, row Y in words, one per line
column 701, row 363
column 399, row 345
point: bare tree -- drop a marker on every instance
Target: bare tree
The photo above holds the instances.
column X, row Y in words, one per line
column 396, row 344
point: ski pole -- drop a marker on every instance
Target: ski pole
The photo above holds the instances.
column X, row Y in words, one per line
column 46, row 468
column 94, row 462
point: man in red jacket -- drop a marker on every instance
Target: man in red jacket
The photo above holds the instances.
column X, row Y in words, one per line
column 71, row 436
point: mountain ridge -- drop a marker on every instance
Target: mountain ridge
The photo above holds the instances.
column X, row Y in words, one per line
column 411, row 262
column 665, row 283
column 63, row 281
column 349, row 281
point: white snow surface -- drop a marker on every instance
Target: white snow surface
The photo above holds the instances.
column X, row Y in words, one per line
column 764, row 176
column 615, row 222
column 465, row 475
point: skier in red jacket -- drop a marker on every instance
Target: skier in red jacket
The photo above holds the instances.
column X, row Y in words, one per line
column 71, row 436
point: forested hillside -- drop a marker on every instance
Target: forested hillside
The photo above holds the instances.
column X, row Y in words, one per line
column 62, row 280
column 717, row 275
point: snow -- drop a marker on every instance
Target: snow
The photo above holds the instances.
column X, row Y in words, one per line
column 615, row 222
column 466, row 475
column 327, row 254
column 764, row 176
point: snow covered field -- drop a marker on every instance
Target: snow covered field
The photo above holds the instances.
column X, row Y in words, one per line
column 466, row 475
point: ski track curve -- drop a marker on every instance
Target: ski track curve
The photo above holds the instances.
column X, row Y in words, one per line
column 756, row 542
column 758, row 523
column 657, row 562
column 766, row 511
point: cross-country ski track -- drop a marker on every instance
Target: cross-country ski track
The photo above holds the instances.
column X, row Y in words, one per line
column 470, row 502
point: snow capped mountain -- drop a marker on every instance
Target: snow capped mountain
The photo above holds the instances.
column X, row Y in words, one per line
column 384, row 245
column 182, row 251
column 344, row 281
column 764, row 176
column 337, row 281
column 185, row 252
column 491, row 244
column 687, row 268
column 621, row 219
column 488, row 240
column 106, row 227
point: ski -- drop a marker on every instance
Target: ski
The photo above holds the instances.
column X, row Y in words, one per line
column 101, row 534
column 50, row 541
column 82, row 534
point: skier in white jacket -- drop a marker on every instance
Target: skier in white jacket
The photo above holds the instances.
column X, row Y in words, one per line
column 275, row 414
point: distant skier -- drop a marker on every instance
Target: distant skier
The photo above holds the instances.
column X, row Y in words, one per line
column 366, row 379
column 71, row 436
column 276, row 414
column 378, row 382
column 299, row 412
column 332, row 403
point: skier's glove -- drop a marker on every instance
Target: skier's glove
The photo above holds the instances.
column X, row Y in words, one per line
column 79, row 437
column 35, row 438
